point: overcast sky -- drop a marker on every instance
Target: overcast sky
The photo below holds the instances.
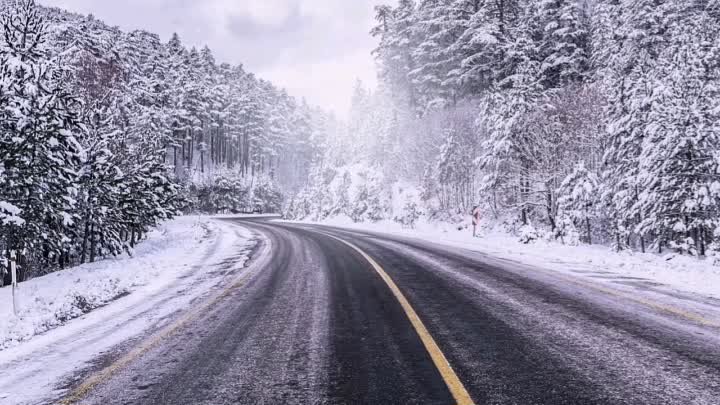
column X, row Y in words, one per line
column 314, row 48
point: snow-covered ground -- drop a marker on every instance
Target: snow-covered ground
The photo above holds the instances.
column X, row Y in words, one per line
column 49, row 301
column 69, row 318
column 672, row 271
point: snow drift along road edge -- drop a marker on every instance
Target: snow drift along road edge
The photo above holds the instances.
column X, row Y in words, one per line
column 51, row 301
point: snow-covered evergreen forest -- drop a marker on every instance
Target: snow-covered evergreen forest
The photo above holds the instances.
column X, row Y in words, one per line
column 579, row 121
column 573, row 120
column 104, row 133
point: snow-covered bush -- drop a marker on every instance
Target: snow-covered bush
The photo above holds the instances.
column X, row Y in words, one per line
column 578, row 199
column 566, row 231
column 528, row 234
column 232, row 193
column 360, row 205
column 378, row 206
column 356, row 191
column 267, row 198
column 409, row 215
column 341, row 204
column 685, row 245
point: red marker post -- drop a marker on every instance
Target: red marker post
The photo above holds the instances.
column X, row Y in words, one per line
column 475, row 219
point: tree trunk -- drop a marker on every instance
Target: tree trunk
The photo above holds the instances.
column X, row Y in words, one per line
column 93, row 244
column 191, row 148
column 184, row 158
column 201, row 141
column 549, row 204
column 212, row 147
column 588, row 230
column 83, row 252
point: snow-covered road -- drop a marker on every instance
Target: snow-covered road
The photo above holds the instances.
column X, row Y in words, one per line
column 181, row 263
column 335, row 316
column 667, row 274
column 327, row 315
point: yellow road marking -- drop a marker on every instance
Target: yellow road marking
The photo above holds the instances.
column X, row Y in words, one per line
column 452, row 381
column 699, row 319
column 79, row 393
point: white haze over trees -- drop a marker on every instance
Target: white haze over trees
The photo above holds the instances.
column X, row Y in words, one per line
column 592, row 122
column 583, row 121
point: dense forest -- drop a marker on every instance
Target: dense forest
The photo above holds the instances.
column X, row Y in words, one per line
column 577, row 121
column 104, row 133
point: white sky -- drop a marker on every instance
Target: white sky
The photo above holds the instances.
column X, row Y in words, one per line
column 314, row 48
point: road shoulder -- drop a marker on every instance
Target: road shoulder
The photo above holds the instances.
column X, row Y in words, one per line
column 163, row 279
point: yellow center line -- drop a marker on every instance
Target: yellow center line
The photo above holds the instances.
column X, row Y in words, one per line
column 668, row 309
column 456, row 387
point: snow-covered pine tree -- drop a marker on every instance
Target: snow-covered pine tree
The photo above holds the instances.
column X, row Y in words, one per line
column 506, row 156
column 436, row 33
column 630, row 55
column 456, row 164
column 396, row 33
column 457, row 18
column 481, row 48
column 147, row 195
column 579, row 200
column 678, row 165
column 280, row 110
column 147, row 103
column 342, row 204
column 565, row 43
column 209, row 115
column 409, row 214
column 293, row 169
column 178, row 78
column 38, row 149
column 102, row 225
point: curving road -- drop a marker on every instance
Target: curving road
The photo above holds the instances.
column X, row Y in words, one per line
column 314, row 321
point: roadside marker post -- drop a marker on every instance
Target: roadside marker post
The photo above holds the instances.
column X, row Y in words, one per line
column 475, row 219
column 13, row 275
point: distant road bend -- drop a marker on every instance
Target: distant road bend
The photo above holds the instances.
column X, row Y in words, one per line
column 331, row 316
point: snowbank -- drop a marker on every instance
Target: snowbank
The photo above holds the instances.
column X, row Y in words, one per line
column 50, row 301
column 682, row 273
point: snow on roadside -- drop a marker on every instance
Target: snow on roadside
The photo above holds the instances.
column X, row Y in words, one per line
column 50, row 301
column 682, row 273
column 186, row 260
column 237, row 216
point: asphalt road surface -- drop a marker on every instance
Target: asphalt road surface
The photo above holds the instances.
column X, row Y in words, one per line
column 329, row 316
